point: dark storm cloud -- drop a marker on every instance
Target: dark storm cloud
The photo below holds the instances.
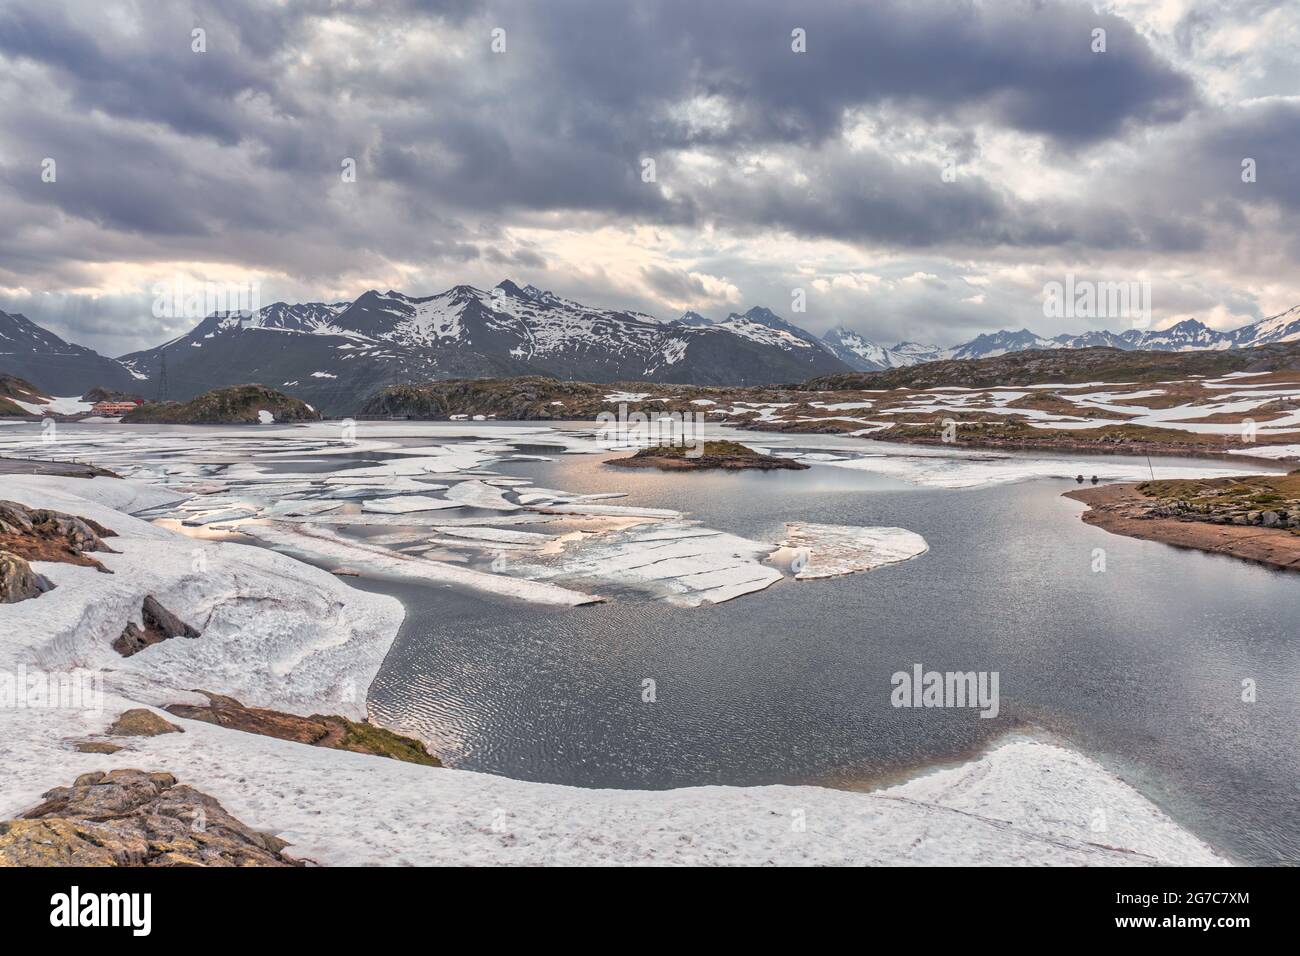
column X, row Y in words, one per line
column 586, row 89
column 1028, row 65
column 233, row 156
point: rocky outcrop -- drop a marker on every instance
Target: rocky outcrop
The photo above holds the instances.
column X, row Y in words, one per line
column 134, row 818
column 38, row 534
column 235, row 405
column 18, row 581
column 1262, row 501
column 158, row 625
column 334, row 732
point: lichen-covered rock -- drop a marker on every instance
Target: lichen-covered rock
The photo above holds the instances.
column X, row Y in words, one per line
column 18, row 581
column 139, row 722
column 133, row 818
column 95, row 747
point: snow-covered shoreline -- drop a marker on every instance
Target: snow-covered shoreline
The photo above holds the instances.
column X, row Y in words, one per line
column 282, row 634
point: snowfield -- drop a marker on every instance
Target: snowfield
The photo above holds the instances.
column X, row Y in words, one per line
column 282, row 634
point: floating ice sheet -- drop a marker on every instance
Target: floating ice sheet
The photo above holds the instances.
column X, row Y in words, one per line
column 828, row 550
column 405, row 504
column 324, row 544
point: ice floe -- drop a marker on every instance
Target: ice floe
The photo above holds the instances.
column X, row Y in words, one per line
column 322, row 544
column 688, row 569
column 212, row 517
column 479, row 494
column 495, row 534
column 405, row 504
column 828, row 550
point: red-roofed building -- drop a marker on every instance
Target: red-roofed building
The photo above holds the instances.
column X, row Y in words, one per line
column 113, row 408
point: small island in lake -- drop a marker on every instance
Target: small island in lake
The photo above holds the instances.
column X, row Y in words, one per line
column 690, row 456
column 234, row 405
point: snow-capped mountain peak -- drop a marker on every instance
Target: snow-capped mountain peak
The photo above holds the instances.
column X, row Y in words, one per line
column 343, row 352
column 867, row 356
column 763, row 325
column 1283, row 327
column 1000, row 343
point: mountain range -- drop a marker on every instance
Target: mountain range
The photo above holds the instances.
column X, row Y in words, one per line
column 334, row 355
column 1186, row 336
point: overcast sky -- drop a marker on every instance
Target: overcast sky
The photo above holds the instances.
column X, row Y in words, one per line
column 775, row 170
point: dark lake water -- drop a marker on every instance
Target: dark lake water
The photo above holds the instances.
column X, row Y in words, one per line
column 1140, row 666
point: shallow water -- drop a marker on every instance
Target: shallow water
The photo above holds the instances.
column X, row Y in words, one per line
column 1140, row 666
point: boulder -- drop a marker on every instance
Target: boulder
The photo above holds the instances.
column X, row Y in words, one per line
column 159, row 624
column 38, row 534
column 134, row 818
column 18, row 581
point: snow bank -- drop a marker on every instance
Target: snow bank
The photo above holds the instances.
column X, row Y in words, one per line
column 116, row 493
column 275, row 632
column 1277, row 452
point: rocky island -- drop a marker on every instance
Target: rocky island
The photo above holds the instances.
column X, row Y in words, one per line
column 236, row 405
column 728, row 455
